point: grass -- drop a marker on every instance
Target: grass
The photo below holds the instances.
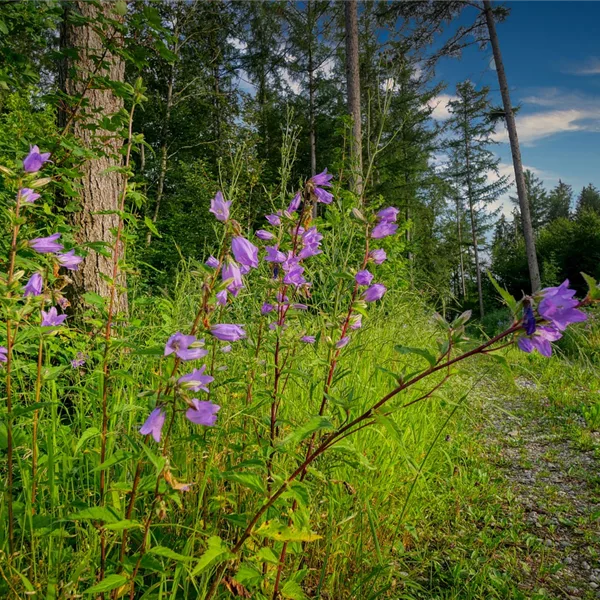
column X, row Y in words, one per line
column 411, row 508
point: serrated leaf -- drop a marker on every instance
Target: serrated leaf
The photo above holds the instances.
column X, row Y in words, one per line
column 87, row 434
column 292, row 591
column 217, row 552
column 95, row 513
column 151, row 226
column 168, row 553
column 108, row 583
column 275, row 530
column 430, row 358
column 508, row 298
column 594, row 290
column 311, row 426
column 249, row 480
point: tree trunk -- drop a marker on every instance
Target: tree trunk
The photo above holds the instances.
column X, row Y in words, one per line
column 460, row 252
column 353, row 86
column 311, row 100
column 534, row 273
column 100, row 190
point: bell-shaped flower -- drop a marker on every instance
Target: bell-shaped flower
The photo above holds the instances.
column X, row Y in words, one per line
column 540, row 340
column 228, row 332
column 34, row 286
column 378, row 256
column 185, row 347
column 264, row 235
column 202, row 412
column 322, row 179
column 245, row 252
column 559, row 307
column 384, row 229
column 363, row 277
column 35, row 160
column 295, row 203
column 231, row 271
column 308, row 339
column 220, row 207
column 46, row 244
column 196, row 380
column 212, row 262
column 343, row 343
column 222, row 297
column 274, row 220
column 388, row 214
column 154, row 424
column 28, row 195
column 274, row 255
column 52, row 318
column 69, row 260
column 374, row 293
column 3, row 354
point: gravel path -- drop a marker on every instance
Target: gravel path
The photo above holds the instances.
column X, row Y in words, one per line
column 557, row 483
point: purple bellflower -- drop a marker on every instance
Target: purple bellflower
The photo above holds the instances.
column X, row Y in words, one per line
column 356, row 322
column 264, row 235
column 154, row 424
column 196, row 380
column 375, row 292
column 79, row 360
column 212, row 262
column 52, row 318
column 203, row 412
column 34, row 286
column 220, row 207
column 295, row 203
column 308, row 339
column 228, row 332
column 266, row 308
column 274, row 255
column 28, row 195
column 275, row 220
column 35, row 160
column 69, row 260
column 232, row 271
column 222, row 298
column 245, row 252
column 364, row 278
column 529, row 320
column 378, row 256
column 294, row 276
column 388, row 214
column 559, row 307
column 322, row 179
column 226, row 349
column 185, row 347
column 384, row 229
column 3, row 354
column 46, row 244
column 540, row 340
column 342, row 343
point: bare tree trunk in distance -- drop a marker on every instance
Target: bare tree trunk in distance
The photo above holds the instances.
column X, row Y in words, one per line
column 99, row 190
column 460, row 252
column 534, row 272
column 353, row 85
column 311, row 99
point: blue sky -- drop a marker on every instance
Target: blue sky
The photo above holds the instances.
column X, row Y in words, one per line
column 551, row 53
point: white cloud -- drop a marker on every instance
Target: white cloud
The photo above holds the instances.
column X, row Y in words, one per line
column 590, row 67
column 439, row 106
column 237, row 43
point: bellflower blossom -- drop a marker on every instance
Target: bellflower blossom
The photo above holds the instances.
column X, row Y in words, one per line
column 245, row 252
column 228, row 332
column 264, row 235
column 378, row 256
column 364, row 277
column 540, row 340
column 375, row 292
column 212, row 262
column 295, row 203
column 266, row 308
column 154, row 424
column 343, row 343
column 34, row 286
column 388, row 214
column 319, row 182
column 222, row 298
column 79, row 360
column 384, row 229
column 308, row 339
column 559, row 307
column 69, row 260
column 356, row 322
column 274, row 255
column 226, row 349
column 196, row 380
column 529, row 320
column 220, row 207
column 274, row 220
column 203, row 412
column 3, row 354
column 232, row 271
column 35, row 160
column 185, row 347
column 46, row 245
column 294, row 276
column 52, row 318
column 28, row 195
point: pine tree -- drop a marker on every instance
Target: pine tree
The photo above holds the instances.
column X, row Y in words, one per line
column 472, row 163
column 589, row 199
column 537, row 197
column 559, row 202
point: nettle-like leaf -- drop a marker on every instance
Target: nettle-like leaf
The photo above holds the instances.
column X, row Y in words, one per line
column 593, row 288
column 216, row 553
column 275, row 530
column 315, row 424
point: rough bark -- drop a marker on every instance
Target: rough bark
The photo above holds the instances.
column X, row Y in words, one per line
column 353, row 91
column 460, row 251
column 99, row 190
column 534, row 273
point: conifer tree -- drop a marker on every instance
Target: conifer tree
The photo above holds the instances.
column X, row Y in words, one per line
column 559, row 202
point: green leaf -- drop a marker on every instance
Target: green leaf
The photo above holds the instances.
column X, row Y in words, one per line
column 158, row 461
column 94, row 299
column 217, row 552
column 95, row 513
column 151, row 226
column 279, row 532
column 311, row 426
column 108, row 583
column 168, row 553
column 430, row 358
column 508, row 298
column 293, row 591
column 265, row 554
column 248, row 575
column 249, row 480
column 124, row 524
column 87, row 434
column 594, row 290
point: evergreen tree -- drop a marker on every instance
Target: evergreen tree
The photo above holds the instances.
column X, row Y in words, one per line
column 589, row 200
column 559, row 202
column 472, row 163
column 537, row 198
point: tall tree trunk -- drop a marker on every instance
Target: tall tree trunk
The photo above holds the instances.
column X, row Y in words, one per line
column 534, row 272
column 163, row 149
column 353, row 86
column 472, row 212
column 100, row 189
column 311, row 100
column 460, row 251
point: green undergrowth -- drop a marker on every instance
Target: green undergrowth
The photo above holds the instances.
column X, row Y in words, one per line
column 408, row 508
